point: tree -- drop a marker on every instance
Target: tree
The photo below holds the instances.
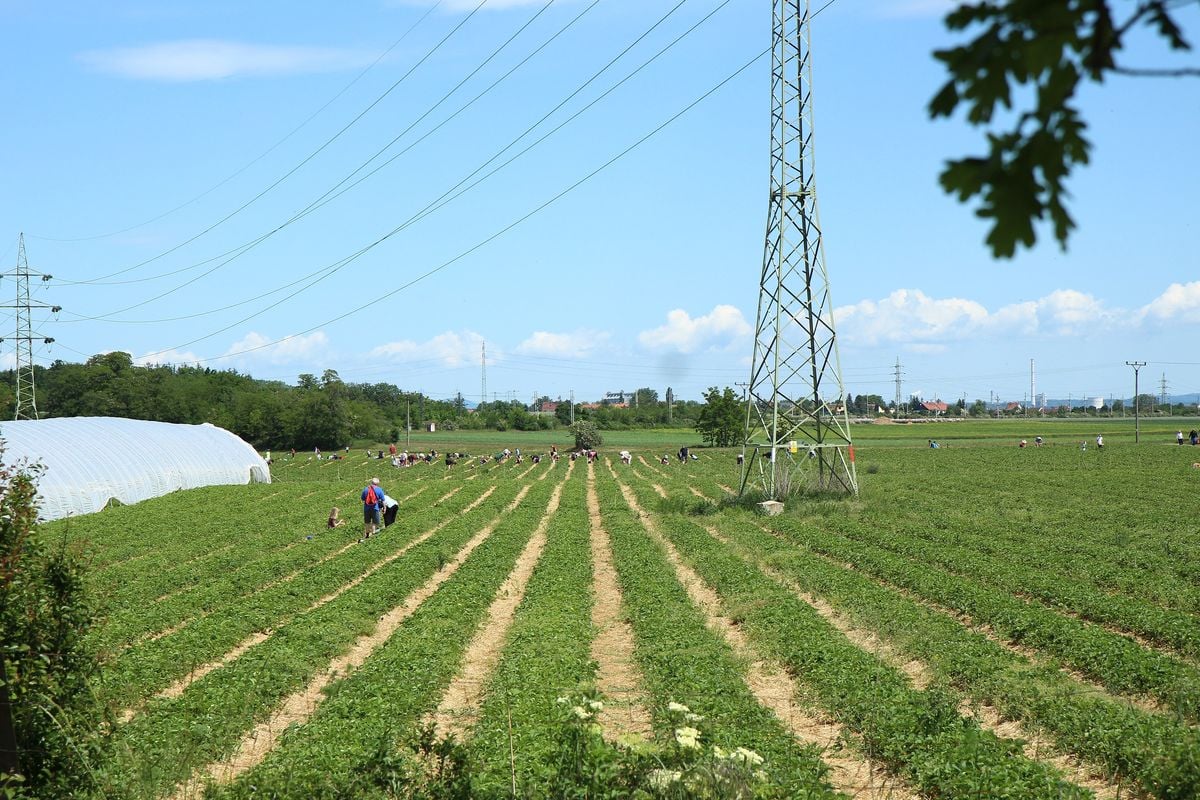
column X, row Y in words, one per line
column 587, row 435
column 1053, row 45
column 52, row 730
column 721, row 418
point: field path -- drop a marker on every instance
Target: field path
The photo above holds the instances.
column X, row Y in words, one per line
column 774, row 687
column 617, row 674
column 458, row 710
column 299, row 706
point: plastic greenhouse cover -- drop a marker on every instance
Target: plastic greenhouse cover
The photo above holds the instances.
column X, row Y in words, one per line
column 90, row 460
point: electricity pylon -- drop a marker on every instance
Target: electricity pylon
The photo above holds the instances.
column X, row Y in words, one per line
column 26, row 397
column 796, row 417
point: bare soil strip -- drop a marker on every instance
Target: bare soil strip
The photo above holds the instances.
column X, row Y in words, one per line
column 458, row 711
column 177, row 688
column 989, row 718
column 617, row 674
column 651, row 467
column 775, row 689
column 298, row 707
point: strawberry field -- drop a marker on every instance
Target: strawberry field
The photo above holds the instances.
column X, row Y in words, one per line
column 983, row 621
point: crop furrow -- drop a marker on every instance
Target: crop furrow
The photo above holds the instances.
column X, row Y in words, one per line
column 683, row 660
column 617, row 674
column 986, row 715
column 372, row 708
column 1115, row 661
column 773, row 686
column 298, row 705
column 1156, row 751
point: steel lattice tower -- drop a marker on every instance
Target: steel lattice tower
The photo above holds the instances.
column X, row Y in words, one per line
column 26, row 398
column 796, row 417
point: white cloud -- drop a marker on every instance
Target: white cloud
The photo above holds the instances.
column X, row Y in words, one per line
column 723, row 327
column 452, row 349
column 214, row 59
column 911, row 316
column 578, row 344
column 1180, row 302
column 255, row 348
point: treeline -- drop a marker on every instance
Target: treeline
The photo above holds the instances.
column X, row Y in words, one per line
column 323, row 411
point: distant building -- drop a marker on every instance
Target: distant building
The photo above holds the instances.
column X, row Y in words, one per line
column 548, row 407
column 934, row 407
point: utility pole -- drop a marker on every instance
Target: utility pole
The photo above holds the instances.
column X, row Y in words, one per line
column 1137, row 365
column 26, row 397
column 670, row 401
column 1032, row 384
column 796, row 388
column 572, row 406
column 897, row 411
column 1163, row 389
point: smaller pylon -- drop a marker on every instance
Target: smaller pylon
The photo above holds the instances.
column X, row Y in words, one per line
column 25, row 335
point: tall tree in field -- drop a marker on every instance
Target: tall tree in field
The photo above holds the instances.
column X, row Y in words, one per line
column 721, row 419
column 1049, row 47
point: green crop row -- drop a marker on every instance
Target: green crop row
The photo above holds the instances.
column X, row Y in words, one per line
column 204, row 724
column 686, row 662
column 1145, row 564
column 251, row 538
column 1050, row 582
column 1160, row 753
column 1047, row 504
column 918, row 733
column 154, row 664
column 1116, row 661
column 200, row 593
column 547, row 655
column 338, row 753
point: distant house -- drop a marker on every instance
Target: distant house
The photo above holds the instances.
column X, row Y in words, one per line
column 934, row 407
column 1013, row 408
column 590, row 406
column 548, row 407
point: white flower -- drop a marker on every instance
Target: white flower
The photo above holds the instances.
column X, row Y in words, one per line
column 661, row 779
column 677, row 708
column 693, row 717
column 580, row 712
column 562, row 701
column 747, row 757
column 687, row 738
column 718, row 753
column 595, row 705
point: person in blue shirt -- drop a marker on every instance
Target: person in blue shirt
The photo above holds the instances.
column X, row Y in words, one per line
column 372, row 497
column 934, row 445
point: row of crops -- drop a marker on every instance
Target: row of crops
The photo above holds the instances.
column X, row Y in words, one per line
column 251, row 652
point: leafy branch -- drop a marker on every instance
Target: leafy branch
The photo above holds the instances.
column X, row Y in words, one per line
column 1051, row 45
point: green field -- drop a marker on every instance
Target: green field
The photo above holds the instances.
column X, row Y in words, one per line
column 977, row 613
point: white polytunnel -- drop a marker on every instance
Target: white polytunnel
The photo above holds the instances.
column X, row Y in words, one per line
column 89, row 461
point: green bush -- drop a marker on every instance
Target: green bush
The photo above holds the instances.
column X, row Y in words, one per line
column 46, row 666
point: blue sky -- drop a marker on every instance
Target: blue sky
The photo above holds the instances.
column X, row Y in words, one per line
column 157, row 156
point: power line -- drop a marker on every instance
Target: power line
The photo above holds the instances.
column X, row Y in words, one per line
column 459, row 189
column 261, row 155
column 245, row 247
column 490, row 238
column 306, row 160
